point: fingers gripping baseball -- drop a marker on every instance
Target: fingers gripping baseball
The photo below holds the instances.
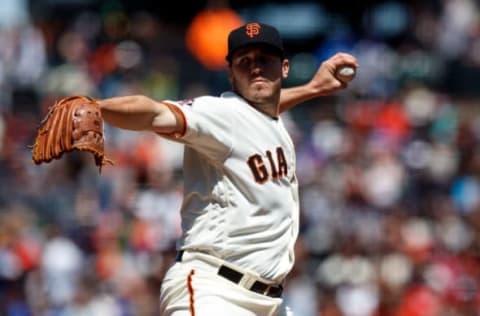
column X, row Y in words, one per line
column 345, row 73
column 344, row 67
column 334, row 74
column 72, row 123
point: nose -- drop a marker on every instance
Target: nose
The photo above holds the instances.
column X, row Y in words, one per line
column 256, row 70
column 256, row 66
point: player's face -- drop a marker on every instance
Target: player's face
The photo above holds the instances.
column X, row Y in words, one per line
column 256, row 74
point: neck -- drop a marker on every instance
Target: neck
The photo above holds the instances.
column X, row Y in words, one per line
column 270, row 109
column 270, row 106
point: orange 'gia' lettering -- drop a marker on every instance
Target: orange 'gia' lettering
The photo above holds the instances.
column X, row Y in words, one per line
column 278, row 166
column 259, row 171
column 282, row 163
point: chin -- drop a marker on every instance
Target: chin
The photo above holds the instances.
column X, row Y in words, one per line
column 260, row 97
column 261, row 92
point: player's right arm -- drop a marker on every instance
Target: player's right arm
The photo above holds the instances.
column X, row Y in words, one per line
column 323, row 82
column 140, row 113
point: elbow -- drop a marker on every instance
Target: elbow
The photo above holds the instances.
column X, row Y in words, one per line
column 139, row 103
column 140, row 99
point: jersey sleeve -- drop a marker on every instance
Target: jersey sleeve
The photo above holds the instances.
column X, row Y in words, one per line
column 207, row 126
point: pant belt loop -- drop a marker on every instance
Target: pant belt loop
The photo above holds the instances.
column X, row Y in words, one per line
column 267, row 290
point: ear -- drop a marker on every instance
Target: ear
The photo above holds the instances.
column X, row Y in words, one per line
column 285, row 68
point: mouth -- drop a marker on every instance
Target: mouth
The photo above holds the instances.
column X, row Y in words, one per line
column 258, row 80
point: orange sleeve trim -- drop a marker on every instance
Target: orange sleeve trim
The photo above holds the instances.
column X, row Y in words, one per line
column 191, row 292
column 179, row 115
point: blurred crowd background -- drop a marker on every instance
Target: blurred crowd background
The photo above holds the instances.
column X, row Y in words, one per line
column 389, row 169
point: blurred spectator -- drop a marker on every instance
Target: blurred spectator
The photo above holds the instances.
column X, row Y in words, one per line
column 71, row 75
column 61, row 265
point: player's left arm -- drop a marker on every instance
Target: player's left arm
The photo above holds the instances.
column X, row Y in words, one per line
column 323, row 83
column 141, row 113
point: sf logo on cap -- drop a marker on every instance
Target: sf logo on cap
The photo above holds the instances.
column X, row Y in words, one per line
column 252, row 29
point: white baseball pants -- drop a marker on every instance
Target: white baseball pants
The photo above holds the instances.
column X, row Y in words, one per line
column 193, row 288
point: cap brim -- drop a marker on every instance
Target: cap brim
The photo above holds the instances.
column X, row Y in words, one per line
column 274, row 49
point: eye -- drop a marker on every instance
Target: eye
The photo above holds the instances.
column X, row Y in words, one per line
column 244, row 62
column 262, row 60
column 267, row 59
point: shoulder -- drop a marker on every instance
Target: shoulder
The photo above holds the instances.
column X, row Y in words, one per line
column 224, row 98
column 197, row 101
column 216, row 103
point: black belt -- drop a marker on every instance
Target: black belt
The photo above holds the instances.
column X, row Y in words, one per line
column 235, row 277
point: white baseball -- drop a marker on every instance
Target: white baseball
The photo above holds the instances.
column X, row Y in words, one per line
column 345, row 73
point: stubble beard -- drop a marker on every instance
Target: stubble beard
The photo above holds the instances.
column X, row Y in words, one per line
column 261, row 96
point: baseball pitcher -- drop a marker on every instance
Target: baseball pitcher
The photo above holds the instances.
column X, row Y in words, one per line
column 240, row 210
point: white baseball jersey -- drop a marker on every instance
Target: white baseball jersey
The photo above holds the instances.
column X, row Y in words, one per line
column 241, row 193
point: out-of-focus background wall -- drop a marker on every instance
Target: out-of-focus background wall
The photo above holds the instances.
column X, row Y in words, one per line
column 389, row 170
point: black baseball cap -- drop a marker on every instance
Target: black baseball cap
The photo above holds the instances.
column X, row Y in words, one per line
column 254, row 33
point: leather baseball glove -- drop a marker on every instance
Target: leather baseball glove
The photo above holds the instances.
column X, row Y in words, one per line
column 72, row 123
